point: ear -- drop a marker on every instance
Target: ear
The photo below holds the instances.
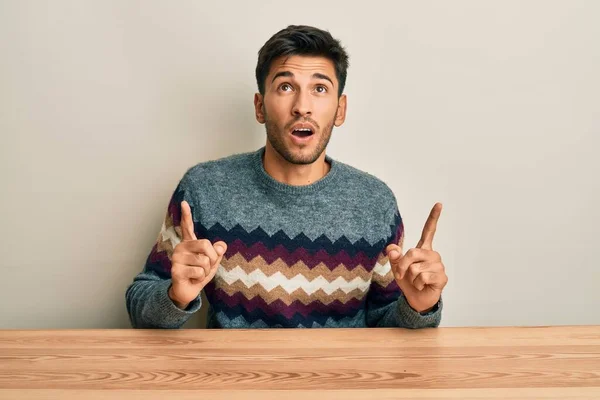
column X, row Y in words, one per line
column 258, row 108
column 340, row 115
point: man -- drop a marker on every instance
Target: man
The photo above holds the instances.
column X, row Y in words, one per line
column 285, row 236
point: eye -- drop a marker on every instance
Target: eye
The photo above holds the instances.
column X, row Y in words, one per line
column 284, row 86
column 324, row 89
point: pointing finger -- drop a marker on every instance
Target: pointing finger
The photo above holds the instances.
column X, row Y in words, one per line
column 412, row 256
column 187, row 223
column 426, row 241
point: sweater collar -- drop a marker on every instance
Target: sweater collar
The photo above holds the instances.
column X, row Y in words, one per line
column 272, row 183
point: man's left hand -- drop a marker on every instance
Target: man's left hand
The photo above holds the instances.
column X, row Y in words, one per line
column 420, row 272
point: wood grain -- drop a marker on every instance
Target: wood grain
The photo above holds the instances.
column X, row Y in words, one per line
column 486, row 363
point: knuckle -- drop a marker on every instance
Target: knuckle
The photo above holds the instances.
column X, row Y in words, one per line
column 208, row 250
column 212, row 259
column 176, row 272
column 176, row 257
column 179, row 248
column 202, row 260
column 414, row 269
column 200, row 246
column 404, row 265
column 399, row 267
column 186, row 247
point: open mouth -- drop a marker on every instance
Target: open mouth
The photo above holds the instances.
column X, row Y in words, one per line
column 302, row 132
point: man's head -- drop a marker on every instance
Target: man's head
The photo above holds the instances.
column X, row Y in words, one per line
column 301, row 74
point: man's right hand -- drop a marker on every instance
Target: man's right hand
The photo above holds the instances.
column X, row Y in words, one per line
column 194, row 262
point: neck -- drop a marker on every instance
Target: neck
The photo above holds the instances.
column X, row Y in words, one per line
column 293, row 174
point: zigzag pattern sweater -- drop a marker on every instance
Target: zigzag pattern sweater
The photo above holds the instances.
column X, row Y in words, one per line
column 297, row 256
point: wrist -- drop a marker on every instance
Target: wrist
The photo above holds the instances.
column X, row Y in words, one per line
column 179, row 304
column 423, row 309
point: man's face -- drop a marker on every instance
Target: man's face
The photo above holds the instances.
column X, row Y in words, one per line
column 300, row 107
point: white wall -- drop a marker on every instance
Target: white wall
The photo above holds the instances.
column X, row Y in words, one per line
column 491, row 107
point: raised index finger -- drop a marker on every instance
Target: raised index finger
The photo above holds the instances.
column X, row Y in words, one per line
column 187, row 223
column 426, row 241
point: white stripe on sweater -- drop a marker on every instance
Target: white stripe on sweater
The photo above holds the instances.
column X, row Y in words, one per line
column 382, row 269
column 257, row 277
column 170, row 234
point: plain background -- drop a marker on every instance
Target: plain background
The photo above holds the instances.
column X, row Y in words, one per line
column 490, row 107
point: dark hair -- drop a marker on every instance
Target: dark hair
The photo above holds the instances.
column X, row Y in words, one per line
column 302, row 40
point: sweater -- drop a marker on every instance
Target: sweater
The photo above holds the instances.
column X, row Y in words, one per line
column 297, row 256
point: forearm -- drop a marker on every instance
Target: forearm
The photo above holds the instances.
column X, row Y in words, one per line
column 149, row 304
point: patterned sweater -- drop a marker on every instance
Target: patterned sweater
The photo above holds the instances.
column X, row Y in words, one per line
column 297, row 256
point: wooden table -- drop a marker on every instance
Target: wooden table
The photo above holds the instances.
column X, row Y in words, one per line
column 444, row 363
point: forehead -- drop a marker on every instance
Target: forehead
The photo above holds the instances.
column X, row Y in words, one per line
column 303, row 65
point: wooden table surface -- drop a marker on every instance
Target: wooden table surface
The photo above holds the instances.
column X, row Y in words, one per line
column 444, row 363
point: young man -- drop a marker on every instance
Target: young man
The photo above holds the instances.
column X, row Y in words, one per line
column 285, row 236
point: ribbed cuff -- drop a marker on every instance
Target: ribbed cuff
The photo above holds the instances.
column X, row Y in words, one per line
column 171, row 315
column 414, row 319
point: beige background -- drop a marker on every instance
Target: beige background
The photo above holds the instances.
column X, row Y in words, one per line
column 491, row 107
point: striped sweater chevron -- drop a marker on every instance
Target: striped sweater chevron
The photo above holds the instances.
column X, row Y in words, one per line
column 297, row 256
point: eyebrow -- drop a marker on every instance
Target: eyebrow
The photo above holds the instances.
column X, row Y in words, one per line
column 289, row 74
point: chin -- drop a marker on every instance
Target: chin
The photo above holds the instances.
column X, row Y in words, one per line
column 294, row 153
column 306, row 157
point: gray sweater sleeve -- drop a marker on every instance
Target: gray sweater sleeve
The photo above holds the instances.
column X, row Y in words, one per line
column 149, row 305
column 400, row 314
column 147, row 299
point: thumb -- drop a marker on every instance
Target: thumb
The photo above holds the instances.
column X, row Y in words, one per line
column 394, row 253
column 220, row 247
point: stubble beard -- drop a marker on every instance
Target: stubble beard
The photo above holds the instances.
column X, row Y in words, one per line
column 276, row 139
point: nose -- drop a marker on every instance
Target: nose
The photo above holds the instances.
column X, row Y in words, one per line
column 303, row 105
